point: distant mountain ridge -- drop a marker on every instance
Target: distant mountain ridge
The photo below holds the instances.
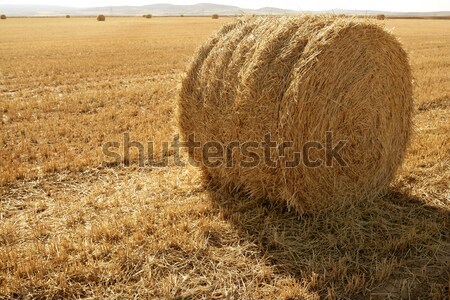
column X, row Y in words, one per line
column 163, row 9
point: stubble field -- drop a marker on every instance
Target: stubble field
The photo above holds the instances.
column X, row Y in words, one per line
column 73, row 227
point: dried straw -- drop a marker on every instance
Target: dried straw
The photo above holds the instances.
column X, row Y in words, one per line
column 101, row 18
column 298, row 78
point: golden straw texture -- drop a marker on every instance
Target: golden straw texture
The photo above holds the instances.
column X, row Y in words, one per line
column 298, row 78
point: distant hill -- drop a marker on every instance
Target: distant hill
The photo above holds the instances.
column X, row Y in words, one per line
column 175, row 10
column 274, row 11
column 33, row 10
column 388, row 13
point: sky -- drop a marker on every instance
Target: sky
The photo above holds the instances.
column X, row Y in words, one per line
column 385, row 5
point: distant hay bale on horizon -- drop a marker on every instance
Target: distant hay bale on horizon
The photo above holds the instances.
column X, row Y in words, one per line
column 67, row 16
column 3, row 17
column 101, row 18
column 300, row 79
column 149, row 16
column 381, row 17
column 215, row 16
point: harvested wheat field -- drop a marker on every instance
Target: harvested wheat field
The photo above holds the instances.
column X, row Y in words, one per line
column 77, row 224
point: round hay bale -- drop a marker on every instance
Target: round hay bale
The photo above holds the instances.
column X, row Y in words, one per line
column 3, row 17
column 101, row 18
column 67, row 17
column 381, row 17
column 215, row 16
column 149, row 16
column 298, row 79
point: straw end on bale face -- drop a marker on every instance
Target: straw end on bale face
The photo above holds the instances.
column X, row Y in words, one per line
column 313, row 111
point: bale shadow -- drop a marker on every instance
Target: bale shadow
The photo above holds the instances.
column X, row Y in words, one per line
column 396, row 246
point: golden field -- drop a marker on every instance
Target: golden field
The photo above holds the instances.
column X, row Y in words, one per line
column 72, row 227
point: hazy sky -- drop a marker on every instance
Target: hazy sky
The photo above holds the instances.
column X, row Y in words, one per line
column 387, row 5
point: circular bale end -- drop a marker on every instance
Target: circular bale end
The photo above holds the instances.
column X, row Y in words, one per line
column 316, row 110
column 3, row 17
column 101, row 18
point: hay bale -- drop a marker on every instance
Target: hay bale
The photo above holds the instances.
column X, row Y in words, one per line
column 3, row 17
column 67, row 17
column 101, row 18
column 298, row 78
column 215, row 16
column 149, row 16
column 381, row 17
